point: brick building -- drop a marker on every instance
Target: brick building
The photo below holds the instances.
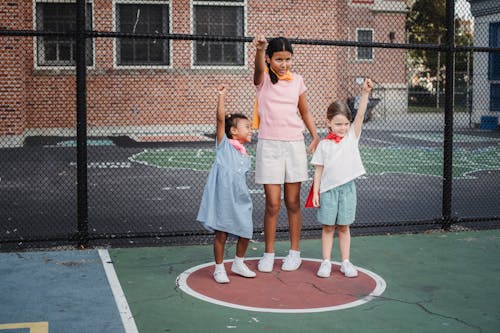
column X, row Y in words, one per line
column 157, row 85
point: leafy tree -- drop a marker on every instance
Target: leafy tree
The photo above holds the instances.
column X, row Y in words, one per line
column 426, row 25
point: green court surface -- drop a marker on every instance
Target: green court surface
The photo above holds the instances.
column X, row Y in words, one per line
column 435, row 282
column 377, row 160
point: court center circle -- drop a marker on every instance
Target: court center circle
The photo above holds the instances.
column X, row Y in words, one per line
column 299, row 291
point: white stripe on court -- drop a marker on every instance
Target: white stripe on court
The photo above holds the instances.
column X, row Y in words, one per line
column 120, row 299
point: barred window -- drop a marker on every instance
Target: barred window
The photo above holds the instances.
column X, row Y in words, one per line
column 59, row 50
column 218, row 18
column 364, row 35
column 494, row 61
column 142, row 19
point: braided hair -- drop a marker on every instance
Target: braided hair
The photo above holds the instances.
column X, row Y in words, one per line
column 277, row 44
column 231, row 120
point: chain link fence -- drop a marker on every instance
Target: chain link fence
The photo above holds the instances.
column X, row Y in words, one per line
column 107, row 111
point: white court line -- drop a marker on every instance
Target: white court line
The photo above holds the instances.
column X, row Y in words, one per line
column 120, row 299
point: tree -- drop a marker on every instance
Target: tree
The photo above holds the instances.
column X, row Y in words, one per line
column 426, row 25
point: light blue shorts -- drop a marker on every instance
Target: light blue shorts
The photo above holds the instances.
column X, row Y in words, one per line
column 338, row 205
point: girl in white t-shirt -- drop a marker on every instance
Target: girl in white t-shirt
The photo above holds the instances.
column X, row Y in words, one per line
column 337, row 163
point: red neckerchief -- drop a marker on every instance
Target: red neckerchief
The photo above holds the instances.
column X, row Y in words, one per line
column 334, row 137
column 238, row 146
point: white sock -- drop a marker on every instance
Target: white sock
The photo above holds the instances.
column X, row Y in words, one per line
column 269, row 255
column 345, row 260
column 219, row 267
column 294, row 253
column 238, row 260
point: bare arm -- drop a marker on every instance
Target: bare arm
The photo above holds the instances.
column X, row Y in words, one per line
column 318, row 171
column 366, row 88
column 309, row 122
column 260, row 59
column 221, row 113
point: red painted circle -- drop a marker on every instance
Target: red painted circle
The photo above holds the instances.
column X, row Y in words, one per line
column 281, row 290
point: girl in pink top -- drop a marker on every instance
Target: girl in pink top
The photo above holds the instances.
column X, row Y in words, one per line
column 281, row 153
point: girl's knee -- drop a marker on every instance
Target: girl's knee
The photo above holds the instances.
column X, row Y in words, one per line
column 328, row 228
column 273, row 208
column 220, row 236
column 343, row 229
column 293, row 206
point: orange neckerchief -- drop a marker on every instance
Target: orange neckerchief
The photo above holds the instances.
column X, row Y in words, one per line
column 334, row 137
column 256, row 120
column 238, row 146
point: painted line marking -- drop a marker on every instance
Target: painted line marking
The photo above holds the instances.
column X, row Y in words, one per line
column 181, row 282
column 35, row 327
column 106, row 165
column 120, row 299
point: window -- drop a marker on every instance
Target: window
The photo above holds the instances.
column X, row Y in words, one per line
column 142, row 19
column 218, row 18
column 366, row 36
column 494, row 61
column 495, row 97
column 59, row 50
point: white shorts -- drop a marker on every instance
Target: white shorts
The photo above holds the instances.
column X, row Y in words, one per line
column 279, row 162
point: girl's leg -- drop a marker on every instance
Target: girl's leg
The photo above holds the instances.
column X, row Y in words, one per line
column 239, row 267
column 241, row 246
column 325, row 269
column 292, row 202
column 345, row 248
column 273, row 205
column 344, row 241
column 327, row 241
column 219, row 243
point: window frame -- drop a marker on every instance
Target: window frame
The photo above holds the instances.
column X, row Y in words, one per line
column 115, row 4
column 36, row 66
column 241, row 3
column 358, row 59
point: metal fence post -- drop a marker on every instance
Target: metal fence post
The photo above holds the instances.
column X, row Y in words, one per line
column 448, row 115
column 81, row 124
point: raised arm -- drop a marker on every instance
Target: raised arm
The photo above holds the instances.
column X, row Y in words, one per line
column 366, row 88
column 260, row 59
column 221, row 113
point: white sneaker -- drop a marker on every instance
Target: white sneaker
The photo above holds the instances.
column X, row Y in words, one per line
column 266, row 263
column 291, row 262
column 325, row 269
column 242, row 269
column 348, row 269
column 220, row 276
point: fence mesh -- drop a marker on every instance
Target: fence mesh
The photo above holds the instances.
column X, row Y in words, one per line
column 152, row 68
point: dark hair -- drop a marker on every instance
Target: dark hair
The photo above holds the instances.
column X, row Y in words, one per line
column 277, row 44
column 336, row 108
column 232, row 121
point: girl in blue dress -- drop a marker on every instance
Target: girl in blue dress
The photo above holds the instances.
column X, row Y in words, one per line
column 226, row 206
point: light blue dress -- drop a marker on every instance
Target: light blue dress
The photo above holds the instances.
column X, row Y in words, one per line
column 226, row 204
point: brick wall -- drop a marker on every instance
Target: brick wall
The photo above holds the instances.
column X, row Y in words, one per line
column 117, row 97
column 13, row 69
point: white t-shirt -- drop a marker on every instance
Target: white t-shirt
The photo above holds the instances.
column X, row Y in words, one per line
column 341, row 161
